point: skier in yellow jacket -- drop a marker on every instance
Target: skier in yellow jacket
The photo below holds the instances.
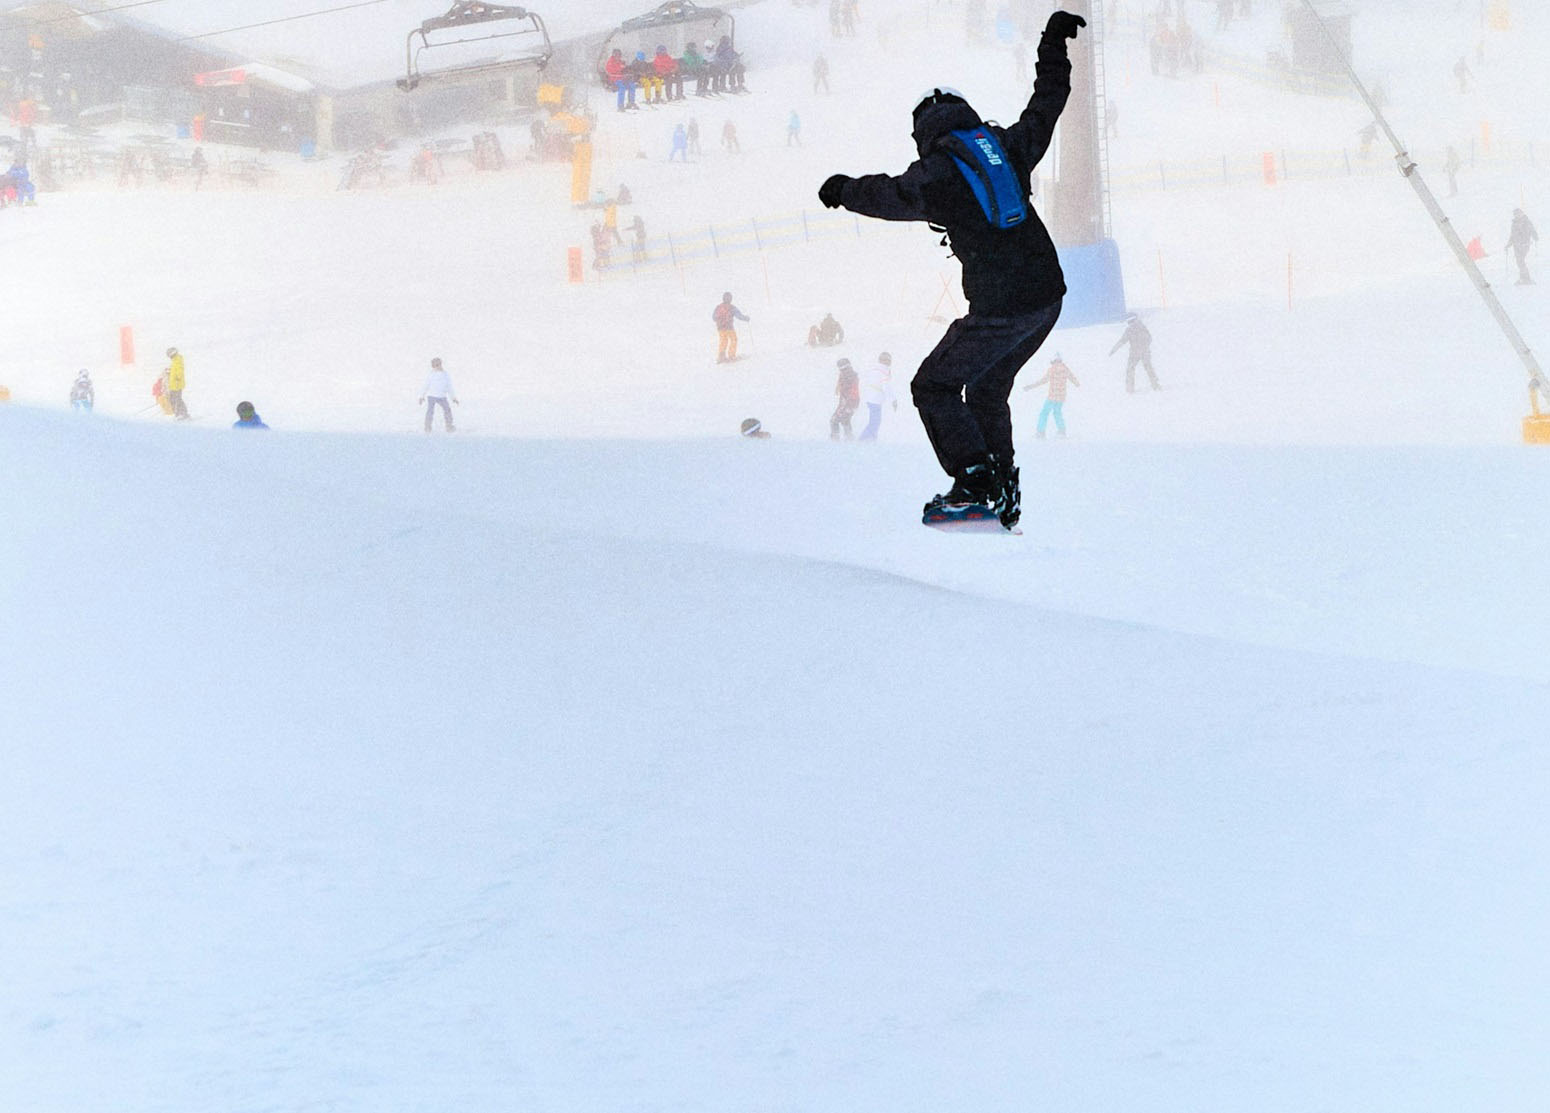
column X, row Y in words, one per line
column 176, row 379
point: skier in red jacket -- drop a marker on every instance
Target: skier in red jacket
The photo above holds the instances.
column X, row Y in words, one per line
column 725, row 315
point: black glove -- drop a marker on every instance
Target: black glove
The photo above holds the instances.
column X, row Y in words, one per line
column 1063, row 25
column 829, row 193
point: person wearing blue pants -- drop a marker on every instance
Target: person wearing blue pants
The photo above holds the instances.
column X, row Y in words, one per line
column 875, row 390
column 82, row 395
column 1057, row 377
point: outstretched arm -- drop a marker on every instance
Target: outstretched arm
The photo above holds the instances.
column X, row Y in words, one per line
column 1032, row 133
column 882, row 195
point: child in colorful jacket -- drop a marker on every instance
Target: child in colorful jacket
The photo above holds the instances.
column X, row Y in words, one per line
column 1057, row 377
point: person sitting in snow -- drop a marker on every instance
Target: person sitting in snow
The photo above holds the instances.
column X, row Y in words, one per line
column 19, row 184
column 247, row 417
column 826, row 333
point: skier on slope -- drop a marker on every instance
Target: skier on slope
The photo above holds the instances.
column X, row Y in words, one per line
column 726, row 315
column 177, row 379
column 82, row 395
column 438, row 388
column 876, row 389
column 1011, row 274
column 847, row 388
column 1139, row 337
column 1522, row 236
column 1057, row 377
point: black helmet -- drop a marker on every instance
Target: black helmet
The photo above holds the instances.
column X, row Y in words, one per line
column 938, row 112
column 244, row 409
column 939, row 95
column 750, row 426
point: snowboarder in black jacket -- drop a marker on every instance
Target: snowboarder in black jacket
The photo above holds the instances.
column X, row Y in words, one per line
column 1011, row 276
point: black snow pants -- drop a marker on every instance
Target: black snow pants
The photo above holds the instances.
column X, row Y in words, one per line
column 962, row 387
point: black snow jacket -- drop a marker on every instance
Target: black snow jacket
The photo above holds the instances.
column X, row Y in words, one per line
column 1008, row 271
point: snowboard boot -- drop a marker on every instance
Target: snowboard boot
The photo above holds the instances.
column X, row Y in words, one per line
column 975, row 485
column 1008, row 503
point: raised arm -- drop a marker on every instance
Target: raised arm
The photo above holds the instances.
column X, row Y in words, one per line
column 1030, row 136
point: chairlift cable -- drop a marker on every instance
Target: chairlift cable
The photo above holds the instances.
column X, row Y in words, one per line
column 476, row 39
column 282, row 19
column 99, row 11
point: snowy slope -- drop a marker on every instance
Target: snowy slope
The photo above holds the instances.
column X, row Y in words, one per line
column 355, row 790
column 596, row 758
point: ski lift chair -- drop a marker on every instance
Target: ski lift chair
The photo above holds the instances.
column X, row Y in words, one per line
column 472, row 21
column 674, row 25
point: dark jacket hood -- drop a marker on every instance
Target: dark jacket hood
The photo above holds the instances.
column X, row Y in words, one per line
column 936, row 120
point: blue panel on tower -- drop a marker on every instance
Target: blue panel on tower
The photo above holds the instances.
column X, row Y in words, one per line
column 1095, row 287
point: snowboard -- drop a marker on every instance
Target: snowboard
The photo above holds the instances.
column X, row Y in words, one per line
column 965, row 519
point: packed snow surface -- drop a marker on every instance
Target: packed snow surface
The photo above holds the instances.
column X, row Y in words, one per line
column 595, row 758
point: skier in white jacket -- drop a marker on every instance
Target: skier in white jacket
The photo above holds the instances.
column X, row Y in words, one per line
column 438, row 388
column 877, row 388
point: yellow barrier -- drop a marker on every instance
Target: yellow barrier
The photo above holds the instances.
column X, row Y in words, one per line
column 580, row 172
column 1536, row 427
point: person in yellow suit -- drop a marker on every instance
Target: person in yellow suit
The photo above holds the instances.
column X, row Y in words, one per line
column 176, row 380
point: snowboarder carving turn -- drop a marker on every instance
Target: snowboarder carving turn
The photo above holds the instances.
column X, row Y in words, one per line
column 972, row 178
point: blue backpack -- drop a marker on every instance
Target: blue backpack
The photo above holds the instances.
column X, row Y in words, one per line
column 990, row 174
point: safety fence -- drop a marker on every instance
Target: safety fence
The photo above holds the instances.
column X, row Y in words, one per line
column 1274, row 167
column 710, row 242
column 690, row 246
